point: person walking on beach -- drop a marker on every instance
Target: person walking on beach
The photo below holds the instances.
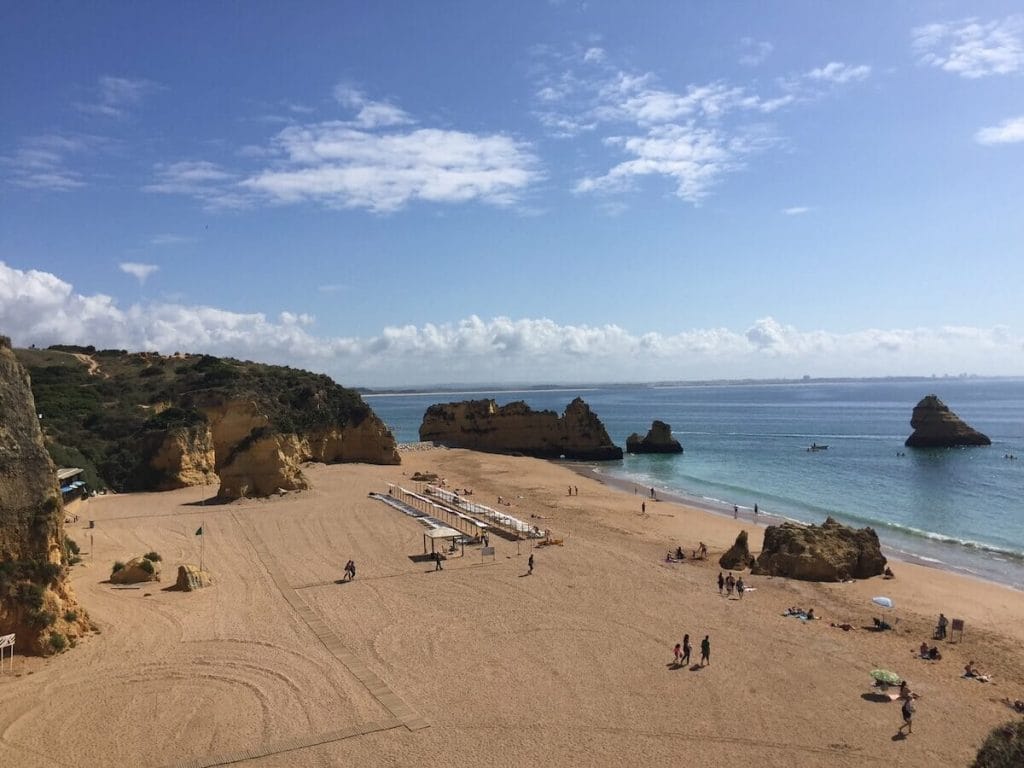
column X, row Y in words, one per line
column 721, row 582
column 705, row 650
column 755, row 513
column 643, row 507
column 740, row 587
column 735, row 512
column 437, row 562
column 350, row 570
column 908, row 716
column 686, row 650
column 529, row 565
column 678, row 653
column 730, row 583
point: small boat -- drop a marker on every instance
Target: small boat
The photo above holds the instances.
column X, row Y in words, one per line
column 816, row 447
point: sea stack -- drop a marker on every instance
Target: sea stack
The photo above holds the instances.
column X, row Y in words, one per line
column 483, row 425
column 658, row 440
column 935, row 426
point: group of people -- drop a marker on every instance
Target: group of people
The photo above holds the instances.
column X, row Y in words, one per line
column 701, row 553
column 681, row 652
column 729, row 583
column 932, row 654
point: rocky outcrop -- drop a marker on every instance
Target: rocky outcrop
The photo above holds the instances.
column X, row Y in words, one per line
column 738, row 556
column 831, row 552
column 183, row 457
column 658, row 440
column 935, row 426
column 483, row 425
column 191, row 578
column 252, row 459
column 36, row 600
column 136, row 571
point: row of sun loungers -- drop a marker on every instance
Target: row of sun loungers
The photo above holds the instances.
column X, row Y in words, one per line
column 500, row 519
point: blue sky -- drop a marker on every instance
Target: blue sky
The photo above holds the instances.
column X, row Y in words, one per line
column 419, row 193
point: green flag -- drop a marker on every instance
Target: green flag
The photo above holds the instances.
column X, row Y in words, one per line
column 199, row 531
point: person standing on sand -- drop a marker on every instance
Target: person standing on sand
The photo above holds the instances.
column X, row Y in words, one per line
column 705, row 650
column 740, row 587
column 730, row 583
column 529, row 565
column 437, row 562
column 755, row 513
column 908, row 716
column 678, row 654
column 643, row 507
column 721, row 582
column 735, row 512
column 686, row 650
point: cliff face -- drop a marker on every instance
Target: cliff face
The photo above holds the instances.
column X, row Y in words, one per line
column 935, row 426
column 482, row 425
column 36, row 601
column 145, row 422
column 658, row 440
column 253, row 460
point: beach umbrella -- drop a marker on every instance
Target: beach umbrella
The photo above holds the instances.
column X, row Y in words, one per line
column 885, row 602
column 886, row 676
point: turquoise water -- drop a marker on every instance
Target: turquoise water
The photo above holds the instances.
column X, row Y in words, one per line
column 960, row 509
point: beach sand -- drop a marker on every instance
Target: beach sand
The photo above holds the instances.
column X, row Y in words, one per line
column 277, row 664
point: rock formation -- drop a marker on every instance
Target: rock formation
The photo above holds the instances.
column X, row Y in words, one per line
column 935, row 426
column 136, row 571
column 36, row 601
column 190, row 578
column 145, row 422
column 658, row 440
column 481, row 425
column 738, row 556
column 831, row 552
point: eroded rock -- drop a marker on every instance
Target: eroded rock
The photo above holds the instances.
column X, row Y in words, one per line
column 936, row 426
column 738, row 556
column 830, row 552
column 191, row 578
column 658, row 440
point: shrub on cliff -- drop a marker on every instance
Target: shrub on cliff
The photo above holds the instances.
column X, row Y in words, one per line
column 1004, row 747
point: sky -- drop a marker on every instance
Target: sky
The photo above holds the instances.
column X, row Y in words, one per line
column 405, row 194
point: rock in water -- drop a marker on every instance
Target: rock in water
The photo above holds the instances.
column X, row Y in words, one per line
column 190, row 578
column 832, row 552
column 738, row 556
column 36, row 600
column 480, row 425
column 935, row 426
column 658, row 440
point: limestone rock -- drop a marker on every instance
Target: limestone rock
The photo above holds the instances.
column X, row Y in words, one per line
column 658, row 440
column 190, row 578
column 184, row 457
column 831, row 552
column 935, row 426
column 36, row 600
column 481, row 425
column 136, row 571
column 738, row 556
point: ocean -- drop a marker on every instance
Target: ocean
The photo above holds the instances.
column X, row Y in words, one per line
column 745, row 444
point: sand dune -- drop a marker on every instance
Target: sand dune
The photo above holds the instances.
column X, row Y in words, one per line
column 279, row 665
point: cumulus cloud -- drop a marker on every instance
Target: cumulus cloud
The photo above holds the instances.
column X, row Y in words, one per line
column 139, row 271
column 374, row 161
column 114, row 96
column 1009, row 131
column 39, row 308
column 972, row 48
column 693, row 136
column 838, row 72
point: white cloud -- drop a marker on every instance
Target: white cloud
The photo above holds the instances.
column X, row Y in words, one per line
column 1009, row 131
column 796, row 210
column 971, row 48
column 592, row 55
column 166, row 238
column 206, row 181
column 837, row 72
column 44, row 162
column 337, row 165
column 370, row 114
column 754, row 52
column 139, row 271
column 40, row 308
column 115, row 95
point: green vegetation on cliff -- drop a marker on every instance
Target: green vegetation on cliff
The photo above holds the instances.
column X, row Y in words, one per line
column 108, row 411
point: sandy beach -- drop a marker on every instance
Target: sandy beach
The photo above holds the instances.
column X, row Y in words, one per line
column 279, row 664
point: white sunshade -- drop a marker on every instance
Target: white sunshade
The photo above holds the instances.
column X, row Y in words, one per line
column 442, row 533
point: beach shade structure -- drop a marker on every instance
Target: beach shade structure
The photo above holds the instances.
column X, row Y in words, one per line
column 885, row 602
column 886, row 677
